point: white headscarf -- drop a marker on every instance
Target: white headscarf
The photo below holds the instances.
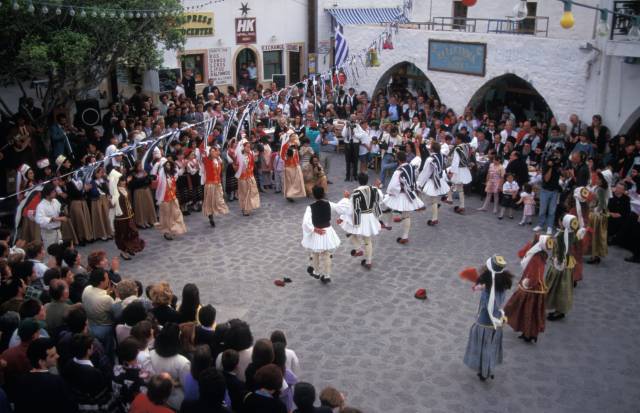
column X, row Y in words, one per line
column 541, row 245
column 580, row 194
column 497, row 322
column 114, row 176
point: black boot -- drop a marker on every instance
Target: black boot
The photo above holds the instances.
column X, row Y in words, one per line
column 211, row 222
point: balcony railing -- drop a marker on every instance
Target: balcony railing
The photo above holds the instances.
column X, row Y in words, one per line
column 622, row 24
column 532, row 26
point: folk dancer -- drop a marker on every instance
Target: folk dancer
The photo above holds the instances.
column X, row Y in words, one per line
column 559, row 277
column 48, row 216
column 459, row 172
column 248, row 195
column 362, row 220
column 484, row 348
column 432, row 181
column 293, row 179
column 213, row 202
column 318, row 236
column 525, row 310
column 401, row 195
column 126, row 233
column 171, row 219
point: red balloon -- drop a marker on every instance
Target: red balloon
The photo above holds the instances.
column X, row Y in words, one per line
column 469, row 3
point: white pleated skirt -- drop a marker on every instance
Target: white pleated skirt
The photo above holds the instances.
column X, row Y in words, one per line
column 369, row 225
column 402, row 202
column 462, row 177
column 328, row 241
column 431, row 190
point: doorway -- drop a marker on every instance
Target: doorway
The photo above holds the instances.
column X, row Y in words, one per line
column 294, row 67
column 243, row 60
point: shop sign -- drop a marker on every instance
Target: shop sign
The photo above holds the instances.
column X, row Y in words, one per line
column 220, row 66
column 457, row 57
column 245, row 30
column 198, row 24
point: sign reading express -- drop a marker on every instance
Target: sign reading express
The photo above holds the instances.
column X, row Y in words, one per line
column 457, row 57
column 198, row 24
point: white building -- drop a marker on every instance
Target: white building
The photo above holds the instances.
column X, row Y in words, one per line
column 573, row 71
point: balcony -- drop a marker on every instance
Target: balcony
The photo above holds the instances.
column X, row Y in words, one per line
column 531, row 26
column 621, row 24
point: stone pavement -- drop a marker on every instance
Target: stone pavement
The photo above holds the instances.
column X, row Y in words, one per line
column 366, row 335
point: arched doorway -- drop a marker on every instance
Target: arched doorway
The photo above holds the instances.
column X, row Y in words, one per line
column 405, row 77
column 631, row 128
column 243, row 58
column 514, row 93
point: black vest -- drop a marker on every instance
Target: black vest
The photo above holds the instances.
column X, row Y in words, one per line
column 321, row 214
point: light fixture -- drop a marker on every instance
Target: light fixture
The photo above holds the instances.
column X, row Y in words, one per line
column 520, row 10
column 72, row 12
column 45, row 10
column 634, row 32
column 567, row 21
column 603, row 28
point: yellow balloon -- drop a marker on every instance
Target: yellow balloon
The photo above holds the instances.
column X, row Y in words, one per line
column 567, row 20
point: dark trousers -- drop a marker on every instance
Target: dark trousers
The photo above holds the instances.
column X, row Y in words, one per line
column 351, row 159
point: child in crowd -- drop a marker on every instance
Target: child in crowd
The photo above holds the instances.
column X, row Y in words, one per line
column 278, row 170
column 495, row 177
column 374, row 154
column 509, row 193
column 527, row 198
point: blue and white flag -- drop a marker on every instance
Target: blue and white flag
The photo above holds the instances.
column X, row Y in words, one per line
column 341, row 47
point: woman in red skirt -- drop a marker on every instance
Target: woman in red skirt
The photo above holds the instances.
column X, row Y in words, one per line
column 525, row 310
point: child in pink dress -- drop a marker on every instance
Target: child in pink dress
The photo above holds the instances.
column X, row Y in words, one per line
column 527, row 198
column 493, row 184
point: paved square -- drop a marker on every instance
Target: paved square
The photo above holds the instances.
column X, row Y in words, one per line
column 366, row 335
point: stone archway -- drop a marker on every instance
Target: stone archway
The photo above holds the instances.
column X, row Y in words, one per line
column 405, row 76
column 514, row 92
column 631, row 128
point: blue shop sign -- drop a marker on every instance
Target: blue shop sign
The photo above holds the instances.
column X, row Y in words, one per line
column 457, row 57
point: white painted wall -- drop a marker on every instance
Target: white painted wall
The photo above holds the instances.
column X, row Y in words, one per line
column 284, row 19
column 556, row 68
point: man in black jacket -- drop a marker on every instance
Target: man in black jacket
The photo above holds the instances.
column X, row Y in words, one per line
column 53, row 393
column 518, row 167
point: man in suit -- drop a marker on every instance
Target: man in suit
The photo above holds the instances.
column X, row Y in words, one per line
column 189, row 83
column 208, row 89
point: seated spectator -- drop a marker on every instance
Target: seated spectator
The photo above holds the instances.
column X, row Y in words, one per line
column 265, row 399
column 201, row 361
column 76, row 323
column 90, row 387
column 56, row 310
column 30, row 310
column 236, row 389
column 143, row 333
column 15, row 358
column 290, row 379
column 304, row 396
column 127, row 292
column 132, row 315
column 166, row 359
column 205, row 330
column 155, row 400
column 212, row 396
column 332, row 398
column 292, row 363
column 128, row 378
column 190, row 304
column 161, row 299
column 261, row 356
column 239, row 338
column 53, row 393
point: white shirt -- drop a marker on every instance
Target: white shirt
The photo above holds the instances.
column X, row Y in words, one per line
column 365, row 140
column 180, row 90
column 39, row 267
column 444, row 149
column 292, row 362
column 504, row 135
column 510, row 188
column 47, row 210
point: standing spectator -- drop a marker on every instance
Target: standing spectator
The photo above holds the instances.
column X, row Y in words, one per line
column 599, row 135
column 48, row 216
column 15, row 359
column 128, row 378
column 165, row 359
column 264, row 400
column 304, row 396
column 57, row 309
column 98, row 305
column 619, row 214
column 549, row 195
column 53, row 393
column 189, row 83
column 58, row 136
column 155, row 400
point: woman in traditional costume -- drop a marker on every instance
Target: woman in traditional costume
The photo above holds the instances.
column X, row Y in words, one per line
column 126, row 233
column 213, row 203
column 525, row 310
column 484, row 348
column 599, row 219
column 171, row 220
column 293, row 179
column 99, row 201
column 248, row 195
column 144, row 209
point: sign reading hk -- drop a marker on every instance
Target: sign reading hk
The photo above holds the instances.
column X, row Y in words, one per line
column 245, row 30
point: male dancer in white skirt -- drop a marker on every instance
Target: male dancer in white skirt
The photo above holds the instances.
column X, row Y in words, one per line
column 459, row 172
column 318, row 236
column 362, row 222
column 401, row 196
column 432, row 181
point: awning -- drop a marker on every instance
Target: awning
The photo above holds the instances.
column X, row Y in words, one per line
column 367, row 16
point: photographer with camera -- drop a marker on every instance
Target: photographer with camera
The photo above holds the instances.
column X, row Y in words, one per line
column 389, row 143
column 549, row 192
column 350, row 134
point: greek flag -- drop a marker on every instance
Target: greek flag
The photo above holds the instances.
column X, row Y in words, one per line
column 342, row 49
